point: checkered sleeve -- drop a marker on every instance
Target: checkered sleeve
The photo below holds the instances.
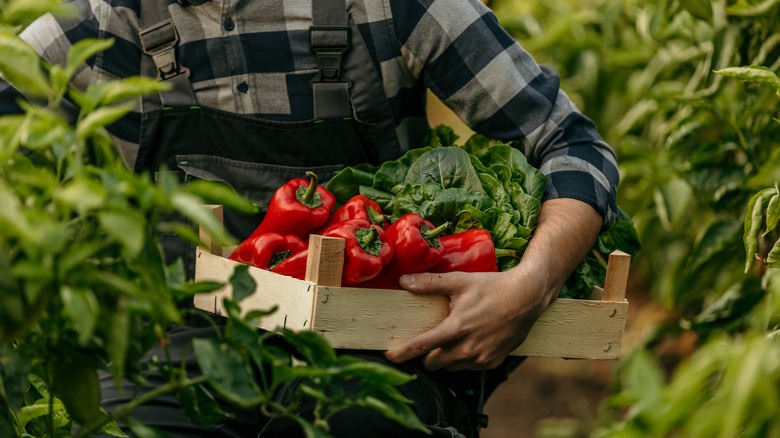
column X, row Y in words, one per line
column 458, row 50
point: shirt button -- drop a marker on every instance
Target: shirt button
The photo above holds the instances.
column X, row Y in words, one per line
column 229, row 25
column 243, row 87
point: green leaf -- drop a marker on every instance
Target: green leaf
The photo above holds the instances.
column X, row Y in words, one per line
column 118, row 333
column 440, row 136
column 82, row 308
column 312, row 347
column 23, row 12
column 734, row 304
column 701, row 9
column 217, row 193
column 752, row 73
column 773, row 259
column 754, row 219
column 192, row 207
column 397, row 411
column 719, row 239
column 129, row 88
column 227, row 372
column 21, row 66
column 100, row 118
column 126, row 227
column 192, row 288
column 345, row 184
column 200, row 406
column 41, row 408
column 82, row 50
column 448, row 167
column 140, row 430
column 12, row 215
column 242, row 283
column 375, row 373
column 748, row 9
column 81, row 193
column 772, row 213
column 111, row 428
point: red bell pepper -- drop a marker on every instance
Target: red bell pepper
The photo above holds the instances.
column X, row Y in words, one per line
column 358, row 207
column 365, row 250
column 293, row 266
column 297, row 208
column 470, row 251
column 387, row 279
column 267, row 250
column 416, row 242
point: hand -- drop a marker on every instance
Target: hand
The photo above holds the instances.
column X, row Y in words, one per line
column 492, row 313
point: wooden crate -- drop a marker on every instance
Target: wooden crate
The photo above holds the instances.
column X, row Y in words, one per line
column 372, row 319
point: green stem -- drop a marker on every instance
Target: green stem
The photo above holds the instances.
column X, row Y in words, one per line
column 312, row 189
column 432, row 233
column 503, row 252
column 124, row 410
column 368, row 239
column 376, row 217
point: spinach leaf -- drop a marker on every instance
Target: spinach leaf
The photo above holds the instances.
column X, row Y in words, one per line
column 440, row 136
column 393, row 173
column 447, row 204
column 450, row 167
column 346, row 184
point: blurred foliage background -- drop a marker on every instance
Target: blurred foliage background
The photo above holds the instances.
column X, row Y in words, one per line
column 696, row 139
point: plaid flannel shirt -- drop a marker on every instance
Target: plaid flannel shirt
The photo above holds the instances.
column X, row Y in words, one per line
column 257, row 63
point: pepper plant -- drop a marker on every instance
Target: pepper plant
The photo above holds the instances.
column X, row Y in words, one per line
column 694, row 146
column 85, row 288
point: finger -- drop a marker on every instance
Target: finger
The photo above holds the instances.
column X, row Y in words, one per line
column 441, row 335
column 430, row 283
column 454, row 360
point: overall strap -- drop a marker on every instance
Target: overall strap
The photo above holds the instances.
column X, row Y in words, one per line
column 159, row 40
column 329, row 40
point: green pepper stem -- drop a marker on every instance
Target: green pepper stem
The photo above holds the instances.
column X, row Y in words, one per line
column 312, row 189
column 376, row 217
column 503, row 252
column 433, row 233
column 367, row 238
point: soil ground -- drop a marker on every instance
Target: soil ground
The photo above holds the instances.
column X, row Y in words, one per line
column 548, row 392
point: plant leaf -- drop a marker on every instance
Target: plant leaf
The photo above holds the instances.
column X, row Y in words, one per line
column 82, row 50
column 21, row 66
column 227, row 372
column 752, row 73
column 126, row 227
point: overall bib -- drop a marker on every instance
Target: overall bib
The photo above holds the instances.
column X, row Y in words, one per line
column 255, row 157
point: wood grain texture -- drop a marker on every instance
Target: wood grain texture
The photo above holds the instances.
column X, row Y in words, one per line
column 371, row 319
column 616, row 280
column 206, row 240
column 325, row 261
column 379, row 319
column 292, row 296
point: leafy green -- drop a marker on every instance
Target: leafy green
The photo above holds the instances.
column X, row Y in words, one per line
column 482, row 184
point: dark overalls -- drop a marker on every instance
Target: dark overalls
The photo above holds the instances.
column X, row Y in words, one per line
column 255, row 157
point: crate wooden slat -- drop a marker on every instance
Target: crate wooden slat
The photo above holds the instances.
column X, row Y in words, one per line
column 359, row 318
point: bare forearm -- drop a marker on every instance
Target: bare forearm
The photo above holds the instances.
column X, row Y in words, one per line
column 566, row 230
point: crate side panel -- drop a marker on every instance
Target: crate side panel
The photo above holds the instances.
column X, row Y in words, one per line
column 374, row 319
column 577, row 329
column 357, row 318
column 292, row 296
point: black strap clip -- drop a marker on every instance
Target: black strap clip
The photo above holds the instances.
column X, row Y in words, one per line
column 329, row 43
column 159, row 41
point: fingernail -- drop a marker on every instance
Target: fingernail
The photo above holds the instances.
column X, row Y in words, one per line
column 407, row 280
